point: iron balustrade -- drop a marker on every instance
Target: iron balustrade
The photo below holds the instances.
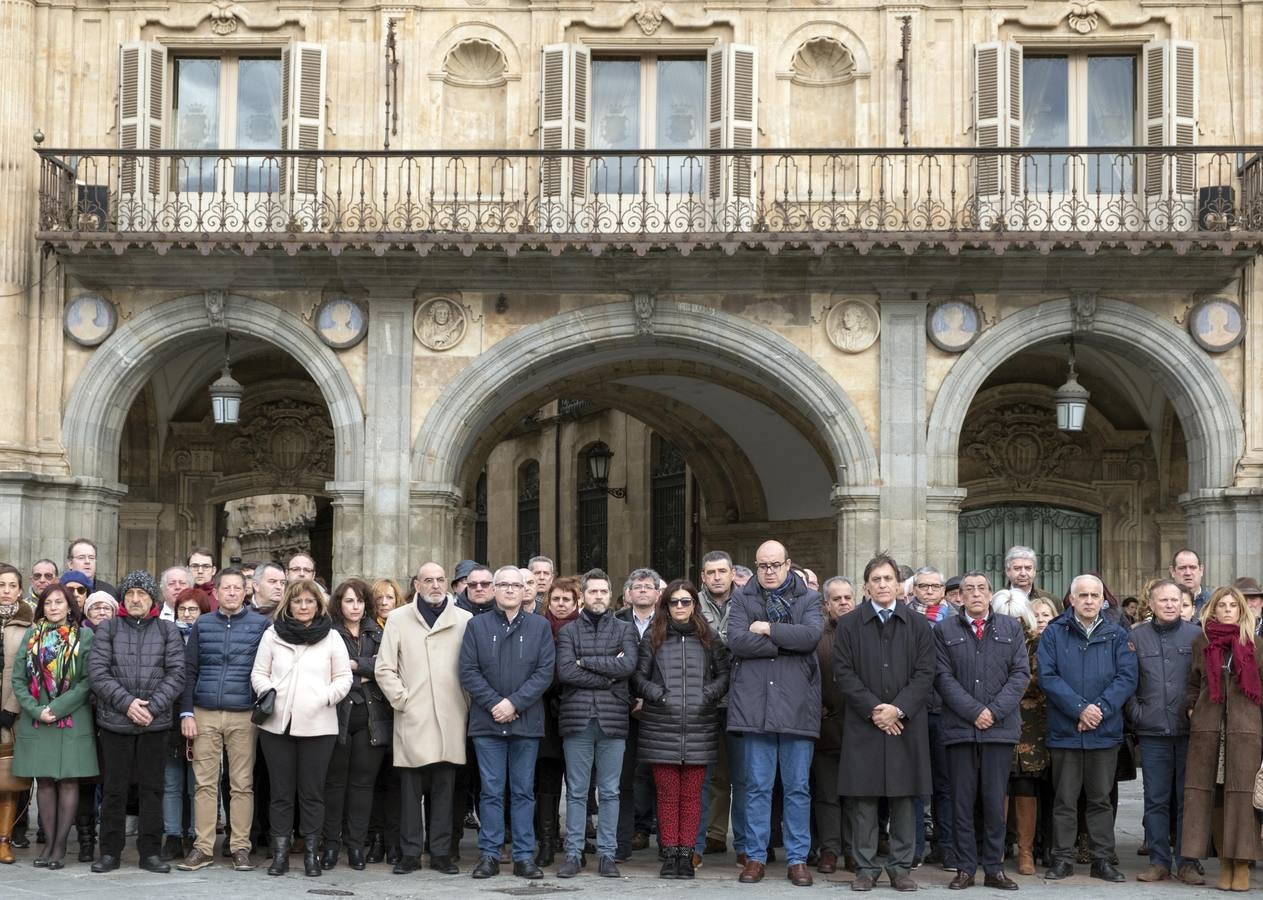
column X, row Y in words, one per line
column 244, row 195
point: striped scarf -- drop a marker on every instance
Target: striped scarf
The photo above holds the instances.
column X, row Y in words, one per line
column 52, row 663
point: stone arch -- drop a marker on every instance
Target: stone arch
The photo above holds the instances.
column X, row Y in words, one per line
column 120, row 367
column 539, row 355
column 1202, row 399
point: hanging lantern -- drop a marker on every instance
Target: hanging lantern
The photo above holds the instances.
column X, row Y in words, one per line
column 1072, row 401
column 226, row 394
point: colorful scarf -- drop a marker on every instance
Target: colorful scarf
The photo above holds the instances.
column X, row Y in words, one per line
column 777, row 601
column 1222, row 637
column 52, row 663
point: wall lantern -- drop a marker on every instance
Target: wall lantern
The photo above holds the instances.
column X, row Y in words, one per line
column 599, row 457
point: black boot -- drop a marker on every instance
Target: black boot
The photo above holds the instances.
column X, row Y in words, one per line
column 280, row 856
column 668, row 865
column 546, row 830
column 311, row 856
column 376, row 851
column 85, row 828
column 330, row 858
column 684, row 862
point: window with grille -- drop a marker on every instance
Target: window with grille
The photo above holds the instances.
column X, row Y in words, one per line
column 527, row 511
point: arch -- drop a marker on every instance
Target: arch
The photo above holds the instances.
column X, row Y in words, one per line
column 1206, row 407
column 541, row 354
column 120, row 367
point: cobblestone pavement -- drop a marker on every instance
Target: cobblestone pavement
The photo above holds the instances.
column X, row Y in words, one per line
column 717, row 878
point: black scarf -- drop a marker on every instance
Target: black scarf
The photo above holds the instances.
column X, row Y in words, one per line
column 595, row 618
column 292, row 632
column 685, row 627
column 429, row 611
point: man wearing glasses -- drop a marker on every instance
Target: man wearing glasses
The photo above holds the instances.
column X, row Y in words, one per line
column 506, row 665
column 81, row 557
column 479, row 594
column 774, row 703
column 202, row 564
column 43, row 573
column 301, row 568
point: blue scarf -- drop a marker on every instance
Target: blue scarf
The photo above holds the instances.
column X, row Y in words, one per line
column 777, row 601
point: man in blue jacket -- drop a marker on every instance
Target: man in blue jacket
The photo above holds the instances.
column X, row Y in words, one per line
column 1088, row 671
column 506, row 664
column 215, row 716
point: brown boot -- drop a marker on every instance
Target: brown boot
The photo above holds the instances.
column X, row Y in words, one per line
column 8, row 815
column 1227, row 869
column 1026, row 812
column 1241, row 875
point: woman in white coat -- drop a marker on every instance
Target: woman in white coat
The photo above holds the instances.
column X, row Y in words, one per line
column 305, row 662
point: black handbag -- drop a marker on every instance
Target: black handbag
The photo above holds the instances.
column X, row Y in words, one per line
column 263, row 707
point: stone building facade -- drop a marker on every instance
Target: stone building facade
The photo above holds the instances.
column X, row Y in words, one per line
column 815, row 249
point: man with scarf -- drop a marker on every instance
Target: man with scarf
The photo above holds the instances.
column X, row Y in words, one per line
column 774, row 627
column 1088, row 670
column 137, row 674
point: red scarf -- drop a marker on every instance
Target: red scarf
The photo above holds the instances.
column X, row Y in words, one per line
column 1224, row 638
column 557, row 623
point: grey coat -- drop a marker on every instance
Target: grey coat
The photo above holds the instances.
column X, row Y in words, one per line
column 1164, row 655
column 594, row 676
column 136, row 659
column 974, row 675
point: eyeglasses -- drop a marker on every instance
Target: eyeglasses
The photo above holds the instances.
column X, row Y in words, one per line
column 509, row 585
column 201, row 567
column 189, row 611
column 84, row 557
column 40, row 576
column 770, row 567
column 926, row 587
column 434, row 580
column 78, row 589
column 680, row 601
column 478, row 584
column 297, row 570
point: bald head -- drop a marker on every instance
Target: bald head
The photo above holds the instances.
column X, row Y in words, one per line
column 771, row 561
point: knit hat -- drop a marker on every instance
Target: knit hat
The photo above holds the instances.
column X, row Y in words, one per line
column 143, row 580
column 463, row 568
column 70, row 577
column 100, row 597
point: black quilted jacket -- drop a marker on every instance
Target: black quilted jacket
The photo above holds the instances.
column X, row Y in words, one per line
column 682, row 683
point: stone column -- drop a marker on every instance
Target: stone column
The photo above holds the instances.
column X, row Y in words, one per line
column 1250, row 470
column 1224, row 527
column 942, row 529
column 387, row 436
column 903, row 443
column 433, row 512
column 348, row 533
column 41, row 515
column 859, row 521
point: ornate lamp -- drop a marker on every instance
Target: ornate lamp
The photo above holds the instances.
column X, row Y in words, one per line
column 599, row 457
column 226, row 393
column 1072, row 400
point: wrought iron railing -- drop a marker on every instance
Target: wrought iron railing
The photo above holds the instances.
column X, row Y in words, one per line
column 232, row 195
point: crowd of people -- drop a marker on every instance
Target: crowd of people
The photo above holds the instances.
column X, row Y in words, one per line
column 875, row 725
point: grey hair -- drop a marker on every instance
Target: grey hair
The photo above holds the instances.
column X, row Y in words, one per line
column 927, row 570
column 162, row 580
column 496, row 575
column 1020, row 552
column 717, row 556
column 743, row 572
column 541, row 559
column 1013, row 603
column 1099, row 583
column 261, row 569
column 639, row 575
column 837, row 579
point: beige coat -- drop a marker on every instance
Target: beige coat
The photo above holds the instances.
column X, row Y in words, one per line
column 12, row 634
column 418, row 669
column 309, row 679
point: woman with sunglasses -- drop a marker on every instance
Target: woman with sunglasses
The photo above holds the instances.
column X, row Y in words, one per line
column 682, row 674
column 55, row 734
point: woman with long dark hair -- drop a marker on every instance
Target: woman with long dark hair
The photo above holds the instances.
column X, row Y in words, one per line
column 55, row 732
column 682, row 674
column 364, row 729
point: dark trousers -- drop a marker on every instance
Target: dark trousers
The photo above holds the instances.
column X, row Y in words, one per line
column 128, row 759
column 436, row 783
column 980, row 778
column 863, row 812
column 1164, row 760
column 637, row 796
column 386, row 801
column 1092, row 773
column 941, row 806
column 297, row 767
column 349, row 787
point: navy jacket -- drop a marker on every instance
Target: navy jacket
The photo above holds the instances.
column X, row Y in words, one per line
column 1076, row 671
column 218, row 658
column 974, row 675
column 774, row 687
column 595, row 662
column 502, row 660
column 1164, row 655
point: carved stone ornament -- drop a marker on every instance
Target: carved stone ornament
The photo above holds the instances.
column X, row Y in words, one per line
column 89, row 319
column 1083, row 16
column 823, row 60
column 440, row 323
column 852, row 325
column 1216, row 324
column 215, row 307
column 1020, row 444
column 223, row 17
column 643, row 303
column 291, row 441
column 649, row 16
column 1083, row 304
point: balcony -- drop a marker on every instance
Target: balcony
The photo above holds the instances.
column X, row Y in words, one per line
column 913, row 199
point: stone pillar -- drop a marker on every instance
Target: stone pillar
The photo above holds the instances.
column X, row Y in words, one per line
column 433, row 512
column 41, row 515
column 387, row 436
column 348, row 533
column 1224, row 527
column 1250, row 470
column 859, row 518
column 903, row 441
column 942, row 529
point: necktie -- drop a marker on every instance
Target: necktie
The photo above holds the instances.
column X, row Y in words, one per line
column 885, row 615
column 979, row 626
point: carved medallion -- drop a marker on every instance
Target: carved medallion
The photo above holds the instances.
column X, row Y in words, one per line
column 440, row 323
column 1216, row 324
column 852, row 325
column 953, row 325
column 289, row 440
column 89, row 319
column 1082, row 16
column 1020, row 444
column 341, row 322
column 649, row 16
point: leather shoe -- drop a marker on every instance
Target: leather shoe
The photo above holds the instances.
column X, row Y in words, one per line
column 1106, row 871
column 713, row 846
column 106, row 863
column 155, row 864
column 487, row 867
column 443, row 864
column 798, row 875
column 607, row 868
column 742, row 859
column 1060, row 869
column 962, row 880
column 1000, row 882
column 862, row 883
column 828, row 863
column 570, row 866
column 903, row 883
column 751, row 873
column 526, row 868
column 355, row 859
column 406, row 865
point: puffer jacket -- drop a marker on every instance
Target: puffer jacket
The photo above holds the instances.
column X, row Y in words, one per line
column 682, row 683
column 596, row 657
column 1076, row 670
column 364, row 690
column 218, row 659
column 136, row 659
column 1164, row 656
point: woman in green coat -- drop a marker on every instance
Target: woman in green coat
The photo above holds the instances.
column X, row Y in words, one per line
column 55, row 741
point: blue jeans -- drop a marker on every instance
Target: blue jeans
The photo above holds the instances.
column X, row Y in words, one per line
column 511, row 758
column 734, row 749
column 177, row 783
column 582, row 750
column 1164, row 759
column 763, row 754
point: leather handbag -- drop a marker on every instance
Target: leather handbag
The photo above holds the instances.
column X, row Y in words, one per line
column 264, row 706
column 9, row 781
column 1258, row 789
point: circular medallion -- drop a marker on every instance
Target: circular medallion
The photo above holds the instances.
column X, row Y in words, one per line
column 953, row 325
column 341, row 322
column 439, row 323
column 852, row 325
column 89, row 319
column 1216, row 324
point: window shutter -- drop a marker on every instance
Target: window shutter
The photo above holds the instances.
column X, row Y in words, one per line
column 141, row 111
column 998, row 114
column 303, row 68
column 715, row 68
column 1170, row 116
column 565, row 117
column 731, row 104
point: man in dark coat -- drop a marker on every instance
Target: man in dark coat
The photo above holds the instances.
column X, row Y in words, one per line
column 506, row 665
column 1088, row 671
column 834, row 834
column 884, row 662
column 983, row 671
column 774, row 703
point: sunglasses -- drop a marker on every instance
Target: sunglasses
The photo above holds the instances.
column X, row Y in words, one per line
column 478, row 584
column 78, row 589
column 683, row 601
